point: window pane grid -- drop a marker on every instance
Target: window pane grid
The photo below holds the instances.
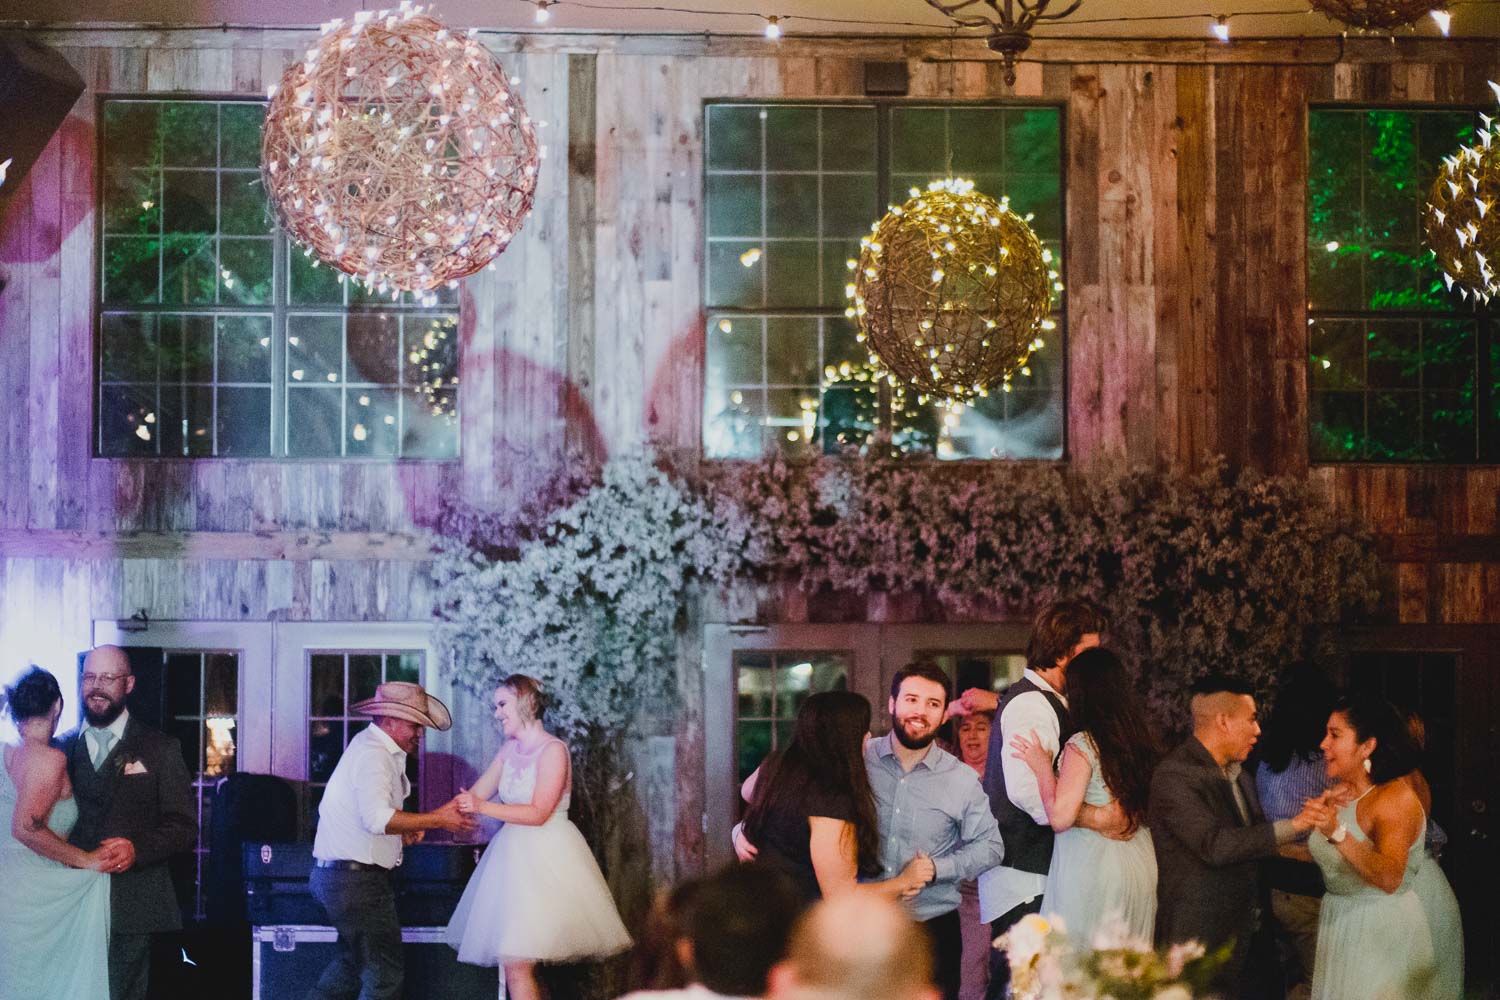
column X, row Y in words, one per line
column 197, row 299
column 1396, row 367
column 771, row 686
column 784, row 214
column 203, row 714
column 337, row 679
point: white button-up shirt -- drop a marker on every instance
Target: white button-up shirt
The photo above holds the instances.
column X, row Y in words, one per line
column 366, row 790
column 1002, row 889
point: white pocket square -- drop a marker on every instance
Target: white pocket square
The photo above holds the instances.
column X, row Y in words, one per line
column 135, row 767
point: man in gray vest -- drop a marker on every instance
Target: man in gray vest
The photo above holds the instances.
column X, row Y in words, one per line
column 1037, row 703
column 131, row 783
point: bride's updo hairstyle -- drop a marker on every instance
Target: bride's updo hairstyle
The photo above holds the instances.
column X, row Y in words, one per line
column 530, row 698
column 32, row 695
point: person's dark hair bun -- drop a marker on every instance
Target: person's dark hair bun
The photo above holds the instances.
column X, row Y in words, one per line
column 33, row 694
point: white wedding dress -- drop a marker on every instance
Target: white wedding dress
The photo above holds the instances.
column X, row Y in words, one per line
column 538, row 894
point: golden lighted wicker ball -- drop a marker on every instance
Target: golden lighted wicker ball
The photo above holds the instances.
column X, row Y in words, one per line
column 1376, row 15
column 397, row 151
column 951, row 292
column 1462, row 217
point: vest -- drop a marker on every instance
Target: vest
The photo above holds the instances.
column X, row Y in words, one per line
column 1028, row 846
column 94, row 792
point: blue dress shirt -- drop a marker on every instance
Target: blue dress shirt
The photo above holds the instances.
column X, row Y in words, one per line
column 937, row 808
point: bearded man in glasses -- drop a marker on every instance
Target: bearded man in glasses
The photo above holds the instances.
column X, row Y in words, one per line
column 132, row 784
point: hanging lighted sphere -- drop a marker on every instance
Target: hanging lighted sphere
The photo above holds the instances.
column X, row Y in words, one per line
column 951, row 292
column 1460, row 221
column 1375, row 15
column 397, row 151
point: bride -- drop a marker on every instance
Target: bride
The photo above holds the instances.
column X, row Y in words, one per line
column 538, row 894
column 54, row 897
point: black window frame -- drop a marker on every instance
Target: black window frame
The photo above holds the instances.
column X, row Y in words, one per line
column 280, row 308
column 883, row 107
column 1485, row 319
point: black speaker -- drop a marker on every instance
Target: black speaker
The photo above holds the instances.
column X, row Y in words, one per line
column 37, row 90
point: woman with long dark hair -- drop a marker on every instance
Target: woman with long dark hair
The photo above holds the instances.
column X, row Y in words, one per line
column 1389, row 926
column 812, row 813
column 1095, row 881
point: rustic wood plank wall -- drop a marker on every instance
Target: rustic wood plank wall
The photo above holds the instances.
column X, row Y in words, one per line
column 1186, row 170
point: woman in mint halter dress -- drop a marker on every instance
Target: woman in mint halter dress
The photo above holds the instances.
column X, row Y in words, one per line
column 1097, row 884
column 54, row 898
column 1389, row 927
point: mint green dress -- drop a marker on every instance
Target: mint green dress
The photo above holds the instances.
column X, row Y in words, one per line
column 1374, row 945
column 54, row 920
column 1099, row 884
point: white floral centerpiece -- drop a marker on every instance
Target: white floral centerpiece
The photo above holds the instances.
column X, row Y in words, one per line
column 1046, row 965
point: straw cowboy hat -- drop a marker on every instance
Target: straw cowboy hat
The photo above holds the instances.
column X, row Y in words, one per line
column 403, row 700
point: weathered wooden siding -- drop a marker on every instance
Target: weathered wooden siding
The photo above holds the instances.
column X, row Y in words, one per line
column 1186, row 170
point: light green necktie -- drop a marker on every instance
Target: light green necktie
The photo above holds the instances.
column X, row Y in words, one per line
column 103, row 740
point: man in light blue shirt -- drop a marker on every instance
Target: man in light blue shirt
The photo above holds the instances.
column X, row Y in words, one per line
column 930, row 803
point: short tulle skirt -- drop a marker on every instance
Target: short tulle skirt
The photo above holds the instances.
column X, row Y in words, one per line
column 537, row 895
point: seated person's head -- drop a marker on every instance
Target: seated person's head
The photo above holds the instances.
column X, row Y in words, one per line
column 855, row 947
column 737, row 924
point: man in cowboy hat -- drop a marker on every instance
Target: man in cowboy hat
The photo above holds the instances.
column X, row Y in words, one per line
column 361, row 830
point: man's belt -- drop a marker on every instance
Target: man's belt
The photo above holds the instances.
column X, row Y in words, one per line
column 349, row 866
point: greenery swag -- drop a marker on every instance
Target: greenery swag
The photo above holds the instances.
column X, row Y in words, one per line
column 586, row 589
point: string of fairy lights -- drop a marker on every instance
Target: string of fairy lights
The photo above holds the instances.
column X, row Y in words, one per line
column 775, row 26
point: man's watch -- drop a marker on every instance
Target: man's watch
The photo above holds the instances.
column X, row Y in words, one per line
column 1339, row 833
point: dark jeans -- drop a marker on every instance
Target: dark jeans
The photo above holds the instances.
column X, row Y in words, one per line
column 361, row 906
column 999, row 961
column 129, row 965
column 946, row 935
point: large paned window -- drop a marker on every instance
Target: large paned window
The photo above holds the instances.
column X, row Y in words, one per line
column 217, row 337
column 791, row 188
column 1400, row 368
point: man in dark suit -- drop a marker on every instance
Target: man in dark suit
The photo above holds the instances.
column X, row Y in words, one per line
column 131, row 783
column 1210, row 833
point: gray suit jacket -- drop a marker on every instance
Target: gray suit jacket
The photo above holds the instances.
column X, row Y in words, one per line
column 153, row 807
column 1206, row 856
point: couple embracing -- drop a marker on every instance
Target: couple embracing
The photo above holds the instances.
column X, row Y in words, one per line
column 86, row 827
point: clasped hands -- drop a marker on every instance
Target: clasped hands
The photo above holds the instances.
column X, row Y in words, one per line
column 971, row 701
column 453, row 816
column 112, row 856
column 1322, row 813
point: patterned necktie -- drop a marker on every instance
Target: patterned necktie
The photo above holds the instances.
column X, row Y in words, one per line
column 103, row 740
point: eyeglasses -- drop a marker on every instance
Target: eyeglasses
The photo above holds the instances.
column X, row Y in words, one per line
column 103, row 678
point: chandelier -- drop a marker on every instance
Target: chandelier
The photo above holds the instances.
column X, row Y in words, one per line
column 1009, row 23
column 1462, row 219
column 951, row 292
column 1375, row 15
column 398, row 152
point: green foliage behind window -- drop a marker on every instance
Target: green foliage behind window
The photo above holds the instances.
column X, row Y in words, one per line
column 1395, row 371
column 206, row 312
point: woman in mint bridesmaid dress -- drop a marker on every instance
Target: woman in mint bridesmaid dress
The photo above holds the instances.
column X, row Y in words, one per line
column 1387, row 930
column 1098, row 885
column 54, row 898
